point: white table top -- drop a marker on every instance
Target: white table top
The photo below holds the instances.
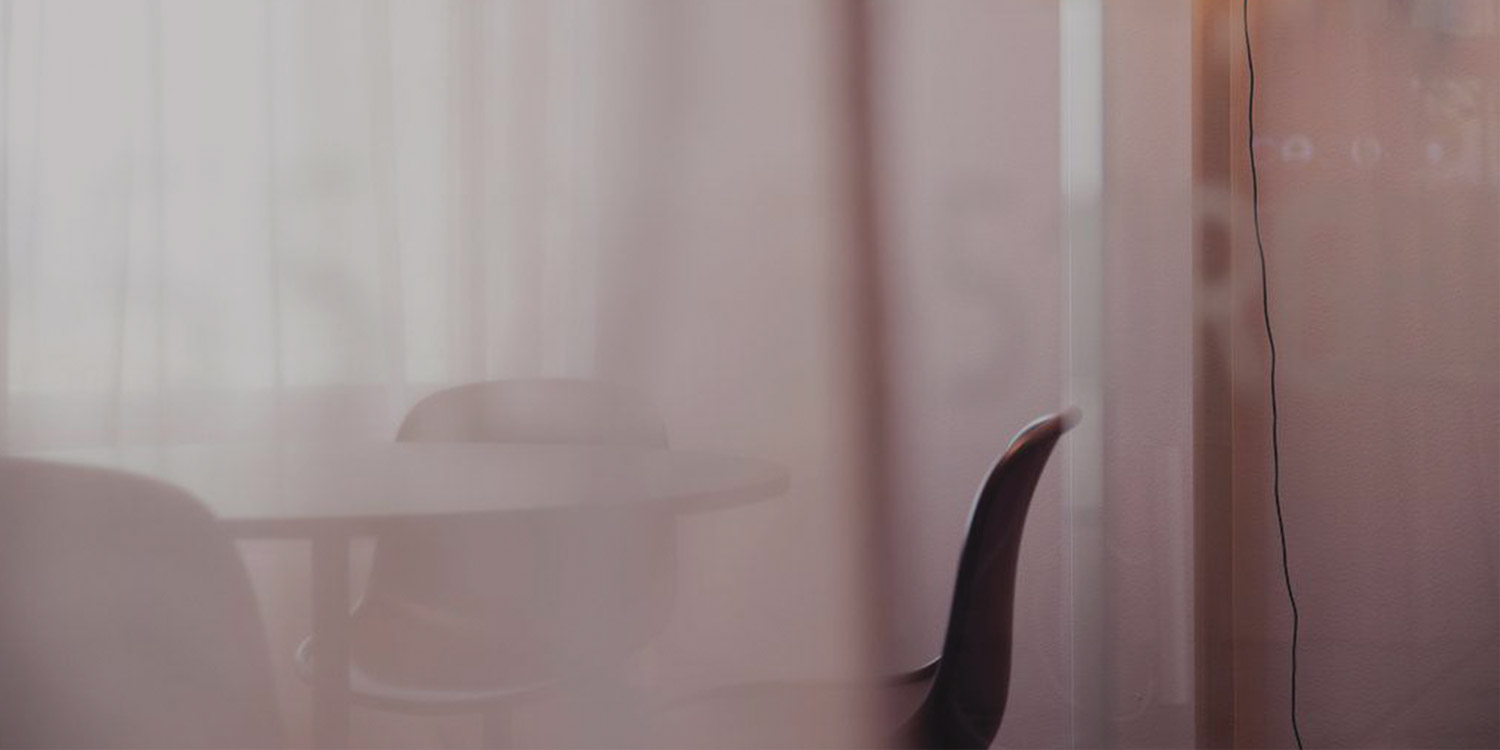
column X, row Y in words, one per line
column 301, row 490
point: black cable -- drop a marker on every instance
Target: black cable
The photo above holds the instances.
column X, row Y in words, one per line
column 1265, row 301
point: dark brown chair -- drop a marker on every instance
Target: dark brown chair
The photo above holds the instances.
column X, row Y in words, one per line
column 965, row 687
column 126, row 618
column 462, row 617
column 971, row 679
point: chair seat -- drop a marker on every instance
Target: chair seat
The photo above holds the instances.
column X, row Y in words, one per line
column 369, row 687
column 788, row 715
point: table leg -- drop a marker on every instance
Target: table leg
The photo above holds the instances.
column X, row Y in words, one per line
column 330, row 603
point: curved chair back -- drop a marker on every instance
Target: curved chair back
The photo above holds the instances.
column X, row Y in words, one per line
column 966, row 701
column 486, row 586
column 534, row 411
column 126, row 617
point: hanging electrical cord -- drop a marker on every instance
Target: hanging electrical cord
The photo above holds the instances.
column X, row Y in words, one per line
column 1265, row 301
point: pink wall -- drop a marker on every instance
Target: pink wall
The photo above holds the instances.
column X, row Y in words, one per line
column 1386, row 292
column 1377, row 127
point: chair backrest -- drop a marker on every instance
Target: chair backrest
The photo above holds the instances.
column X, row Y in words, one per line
column 534, row 411
column 966, row 701
column 498, row 574
column 126, row 617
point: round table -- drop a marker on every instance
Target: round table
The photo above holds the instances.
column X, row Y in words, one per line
column 330, row 494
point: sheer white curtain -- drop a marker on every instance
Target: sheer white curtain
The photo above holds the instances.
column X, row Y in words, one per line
column 998, row 311
column 220, row 210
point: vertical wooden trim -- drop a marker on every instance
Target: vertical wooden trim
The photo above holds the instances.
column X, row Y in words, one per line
column 1213, row 591
column 856, row 80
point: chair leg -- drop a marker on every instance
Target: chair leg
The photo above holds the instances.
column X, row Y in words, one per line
column 495, row 732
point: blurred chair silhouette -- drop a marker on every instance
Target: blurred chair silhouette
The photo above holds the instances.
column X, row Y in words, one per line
column 463, row 616
column 126, row 618
column 965, row 687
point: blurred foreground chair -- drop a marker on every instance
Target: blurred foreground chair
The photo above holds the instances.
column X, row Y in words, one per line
column 464, row 616
column 965, row 687
column 126, row 618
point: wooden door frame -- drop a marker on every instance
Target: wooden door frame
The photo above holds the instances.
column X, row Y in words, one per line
column 1213, row 160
